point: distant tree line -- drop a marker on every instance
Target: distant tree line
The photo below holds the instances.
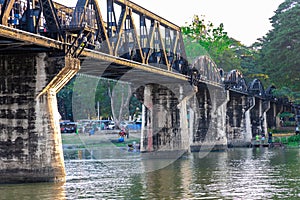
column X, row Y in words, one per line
column 274, row 59
column 84, row 96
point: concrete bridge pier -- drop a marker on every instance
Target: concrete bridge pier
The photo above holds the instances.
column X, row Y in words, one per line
column 165, row 131
column 279, row 109
column 238, row 120
column 208, row 120
column 273, row 119
column 265, row 108
column 259, row 117
column 247, row 126
column 30, row 143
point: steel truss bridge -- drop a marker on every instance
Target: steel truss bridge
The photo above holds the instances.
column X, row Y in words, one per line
column 129, row 37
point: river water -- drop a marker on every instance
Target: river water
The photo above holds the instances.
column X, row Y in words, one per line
column 241, row 173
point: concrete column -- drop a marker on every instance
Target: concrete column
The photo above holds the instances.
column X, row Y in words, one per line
column 209, row 133
column 221, row 139
column 274, row 115
column 236, row 122
column 166, row 127
column 184, row 129
column 266, row 107
column 279, row 109
column 30, row 143
column 248, row 127
column 271, row 115
column 255, row 115
column 147, row 132
column 193, row 108
column 260, row 111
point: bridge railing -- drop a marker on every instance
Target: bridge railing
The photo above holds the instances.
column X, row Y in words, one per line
column 17, row 11
column 82, row 17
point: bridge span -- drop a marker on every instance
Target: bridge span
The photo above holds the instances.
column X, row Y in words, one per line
column 187, row 106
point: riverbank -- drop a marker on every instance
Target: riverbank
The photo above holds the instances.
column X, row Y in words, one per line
column 104, row 138
column 109, row 138
column 288, row 140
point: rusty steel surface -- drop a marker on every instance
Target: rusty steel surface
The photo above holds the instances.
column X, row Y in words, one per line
column 29, row 38
column 117, row 33
column 121, row 61
column 150, row 43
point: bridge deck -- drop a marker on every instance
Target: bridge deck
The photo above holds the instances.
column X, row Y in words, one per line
column 16, row 40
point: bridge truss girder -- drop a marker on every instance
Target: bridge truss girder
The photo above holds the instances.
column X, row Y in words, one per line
column 138, row 34
column 130, row 31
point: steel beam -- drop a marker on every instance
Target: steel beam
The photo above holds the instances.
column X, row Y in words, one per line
column 6, row 9
column 30, row 38
column 50, row 15
column 113, row 59
column 138, row 9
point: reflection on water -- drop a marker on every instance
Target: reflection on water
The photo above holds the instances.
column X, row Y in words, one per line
column 236, row 174
column 32, row 191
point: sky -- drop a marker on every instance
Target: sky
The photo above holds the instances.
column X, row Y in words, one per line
column 244, row 20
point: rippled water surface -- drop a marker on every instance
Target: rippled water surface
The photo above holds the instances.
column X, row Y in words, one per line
column 117, row 174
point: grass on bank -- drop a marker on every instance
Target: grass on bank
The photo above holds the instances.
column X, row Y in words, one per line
column 97, row 140
column 289, row 141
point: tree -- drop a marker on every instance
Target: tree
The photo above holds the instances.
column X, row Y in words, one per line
column 102, row 96
column 83, row 97
column 280, row 57
column 63, row 100
column 120, row 94
column 203, row 38
column 79, row 99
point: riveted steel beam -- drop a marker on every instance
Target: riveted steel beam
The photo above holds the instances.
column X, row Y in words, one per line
column 133, row 64
column 6, row 9
column 30, row 38
column 138, row 9
column 51, row 17
column 72, row 66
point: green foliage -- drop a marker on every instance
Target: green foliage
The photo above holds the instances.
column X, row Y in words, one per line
column 102, row 97
column 203, row 38
column 135, row 107
column 284, row 140
column 274, row 59
column 83, row 97
column 294, row 138
column 64, row 97
column 193, row 49
column 79, row 99
column 280, row 49
column 277, row 140
column 286, row 92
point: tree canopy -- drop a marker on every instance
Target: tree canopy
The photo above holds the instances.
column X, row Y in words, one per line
column 279, row 54
column 274, row 59
column 203, row 38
